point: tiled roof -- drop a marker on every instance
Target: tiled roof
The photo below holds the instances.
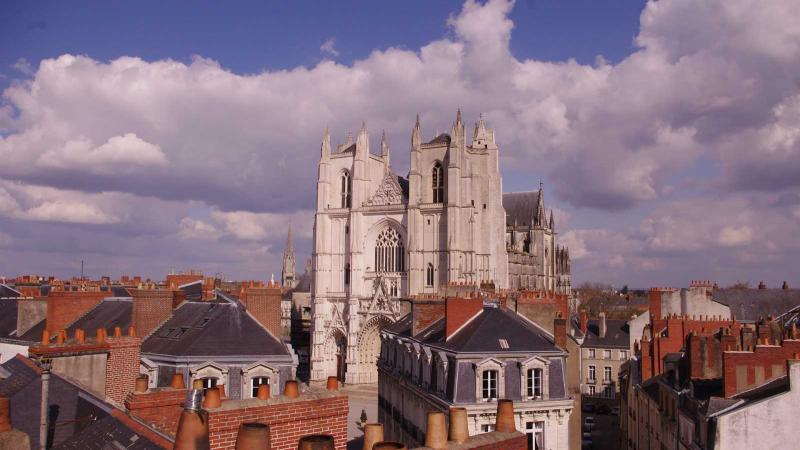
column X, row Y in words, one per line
column 212, row 329
column 106, row 433
column 109, row 313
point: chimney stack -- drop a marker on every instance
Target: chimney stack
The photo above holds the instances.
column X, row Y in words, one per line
column 264, row 304
column 560, row 331
column 603, row 325
column 504, row 421
column 459, row 311
column 436, row 433
column 459, row 431
column 584, row 321
column 9, row 437
column 192, row 431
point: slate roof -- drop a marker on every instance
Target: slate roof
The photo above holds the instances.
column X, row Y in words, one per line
column 74, row 409
column 8, row 316
column 521, row 207
column 8, row 291
column 617, row 334
column 109, row 313
column 482, row 333
column 34, row 334
column 443, row 138
column 750, row 304
column 212, row 329
column 120, row 291
column 193, row 290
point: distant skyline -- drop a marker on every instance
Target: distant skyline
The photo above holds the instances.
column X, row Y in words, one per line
column 141, row 137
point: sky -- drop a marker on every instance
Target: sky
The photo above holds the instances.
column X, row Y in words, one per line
column 142, row 137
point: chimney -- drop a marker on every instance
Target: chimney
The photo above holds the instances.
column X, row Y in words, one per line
column 316, row 442
column 373, row 433
column 504, row 420
column 264, row 304
column 560, row 331
column 253, row 436
column 64, row 307
column 459, row 431
column 192, row 431
column 583, row 323
column 459, row 311
column 424, row 312
column 152, row 307
column 436, row 433
column 603, row 325
column 9, row 437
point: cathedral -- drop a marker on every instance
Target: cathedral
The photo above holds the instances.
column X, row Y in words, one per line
column 380, row 238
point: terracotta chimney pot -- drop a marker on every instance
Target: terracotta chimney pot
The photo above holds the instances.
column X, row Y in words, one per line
column 253, row 436
column 373, row 433
column 141, row 384
column 62, row 337
column 291, row 389
column 212, row 399
column 436, row 433
column 101, row 335
column 388, row 445
column 177, row 381
column 80, row 336
column 117, row 332
column 316, row 441
column 459, row 431
column 263, row 392
column 192, row 431
column 45, row 337
column 197, row 385
column 504, row 421
column 333, row 384
column 5, row 414
column 221, row 388
column 132, row 331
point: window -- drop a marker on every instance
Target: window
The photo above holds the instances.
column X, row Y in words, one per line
column 389, row 251
column 429, row 275
column 209, row 383
column 347, row 186
column 487, row 428
column 607, row 373
column 347, row 274
column 592, row 390
column 438, row 183
column 607, row 392
column 592, row 354
column 535, row 432
column 606, row 354
column 623, row 355
column 592, row 374
column 489, row 388
column 535, row 383
column 256, row 382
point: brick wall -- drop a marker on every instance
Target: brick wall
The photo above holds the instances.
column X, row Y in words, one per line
column 458, row 311
column 151, row 307
column 265, row 306
column 288, row 419
column 743, row 370
column 122, row 367
column 65, row 307
column 175, row 280
column 424, row 312
column 160, row 407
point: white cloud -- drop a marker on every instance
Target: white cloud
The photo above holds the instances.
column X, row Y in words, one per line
column 119, row 153
column 250, row 226
column 328, row 47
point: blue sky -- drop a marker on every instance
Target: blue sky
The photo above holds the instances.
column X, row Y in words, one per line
column 141, row 136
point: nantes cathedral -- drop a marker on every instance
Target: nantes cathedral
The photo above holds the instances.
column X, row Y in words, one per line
column 380, row 238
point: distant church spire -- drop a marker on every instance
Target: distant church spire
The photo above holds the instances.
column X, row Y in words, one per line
column 288, row 278
column 325, row 148
column 415, row 139
column 385, row 151
column 552, row 222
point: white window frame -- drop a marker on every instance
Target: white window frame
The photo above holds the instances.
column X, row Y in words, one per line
column 535, row 362
column 592, row 354
column 254, row 387
column 536, row 428
column 210, row 369
column 623, row 355
column 257, row 370
column 606, row 354
column 490, row 364
column 607, row 373
column 592, row 391
column 591, row 373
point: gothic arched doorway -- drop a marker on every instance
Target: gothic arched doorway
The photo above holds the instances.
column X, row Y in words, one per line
column 335, row 354
column 341, row 357
column 369, row 347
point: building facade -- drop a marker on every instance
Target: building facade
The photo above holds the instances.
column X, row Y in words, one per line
column 469, row 353
column 380, row 237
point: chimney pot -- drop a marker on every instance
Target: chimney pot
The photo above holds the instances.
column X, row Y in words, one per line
column 141, row 384
column 316, row 442
column 291, row 389
column 212, row 399
column 79, row 336
column 333, row 384
column 253, row 436
column 388, row 445
column 436, row 433
column 117, row 332
column 504, row 421
column 197, row 385
column 101, row 335
column 177, row 381
column 373, row 433
column 132, row 331
column 263, row 392
column 192, row 431
column 62, row 337
column 45, row 337
column 221, row 389
column 459, row 432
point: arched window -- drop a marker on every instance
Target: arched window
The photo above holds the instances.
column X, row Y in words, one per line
column 429, row 275
column 389, row 251
column 346, row 189
column 347, row 274
column 438, row 183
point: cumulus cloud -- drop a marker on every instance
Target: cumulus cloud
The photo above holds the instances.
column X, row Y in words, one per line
column 710, row 84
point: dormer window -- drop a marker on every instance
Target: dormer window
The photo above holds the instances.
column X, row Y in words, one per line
column 489, row 385
column 535, row 383
column 534, row 373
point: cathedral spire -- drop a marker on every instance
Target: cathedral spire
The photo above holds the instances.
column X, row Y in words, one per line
column 480, row 129
column 325, row 148
column 385, row 151
column 288, row 278
column 552, row 222
column 540, row 213
column 415, row 139
column 289, row 247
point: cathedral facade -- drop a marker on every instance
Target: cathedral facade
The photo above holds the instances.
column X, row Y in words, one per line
column 379, row 238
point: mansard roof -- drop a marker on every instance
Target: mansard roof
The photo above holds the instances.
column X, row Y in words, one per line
column 212, row 329
column 483, row 334
column 522, row 208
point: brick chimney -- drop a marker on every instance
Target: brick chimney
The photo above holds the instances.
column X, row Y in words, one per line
column 424, row 312
column 64, row 307
column 459, row 311
column 264, row 304
column 560, row 331
column 584, row 321
column 151, row 307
